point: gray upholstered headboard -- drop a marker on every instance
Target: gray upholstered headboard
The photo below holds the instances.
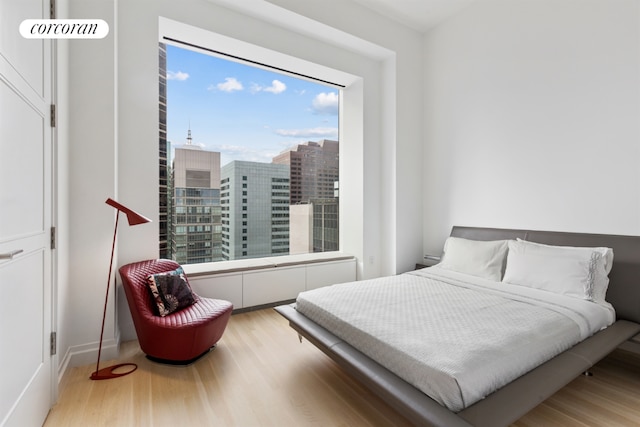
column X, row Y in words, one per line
column 624, row 279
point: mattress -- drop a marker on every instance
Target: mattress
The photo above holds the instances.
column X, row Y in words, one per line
column 455, row 337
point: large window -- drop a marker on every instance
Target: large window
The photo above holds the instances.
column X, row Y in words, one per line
column 248, row 159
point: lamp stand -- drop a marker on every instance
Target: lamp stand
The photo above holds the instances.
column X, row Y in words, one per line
column 108, row 372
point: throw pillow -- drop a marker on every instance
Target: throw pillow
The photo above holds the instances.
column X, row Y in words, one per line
column 171, row 291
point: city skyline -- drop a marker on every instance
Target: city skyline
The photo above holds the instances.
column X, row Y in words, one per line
column 243, row 112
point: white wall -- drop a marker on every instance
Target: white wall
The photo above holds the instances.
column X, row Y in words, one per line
column 113, row 140
column 86, row 177
column 394, row 171
column 532, row 118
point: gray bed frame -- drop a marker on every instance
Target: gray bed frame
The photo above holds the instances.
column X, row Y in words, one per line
column 511, row 402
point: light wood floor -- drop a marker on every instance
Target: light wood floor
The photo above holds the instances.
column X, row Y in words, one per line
column 260, row 375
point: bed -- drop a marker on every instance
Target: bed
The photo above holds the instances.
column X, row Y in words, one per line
column 479, row 393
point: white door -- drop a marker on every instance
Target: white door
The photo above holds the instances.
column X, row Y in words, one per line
column 26, row 381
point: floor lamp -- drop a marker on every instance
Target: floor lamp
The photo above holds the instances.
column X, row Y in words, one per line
column 134, row 218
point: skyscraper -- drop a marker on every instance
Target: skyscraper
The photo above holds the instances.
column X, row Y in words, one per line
column 314, row 207
column 164, row 214
column 196, row 223
column 255, row 209
column 314, row 169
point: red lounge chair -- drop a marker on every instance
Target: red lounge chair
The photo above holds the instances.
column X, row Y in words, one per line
column 182, row 336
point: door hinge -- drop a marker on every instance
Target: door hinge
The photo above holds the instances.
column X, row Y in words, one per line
column 52, row 9
column 53, row 344
column 53, row 115
column 53, row 237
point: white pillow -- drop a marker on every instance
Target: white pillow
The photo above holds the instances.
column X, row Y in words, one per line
column 607, row 253
column 573, row 271
column 478, row 258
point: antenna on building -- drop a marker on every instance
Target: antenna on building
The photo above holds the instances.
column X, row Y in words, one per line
column 189, row 134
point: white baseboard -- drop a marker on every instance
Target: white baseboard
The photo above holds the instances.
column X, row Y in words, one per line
column 87, row 354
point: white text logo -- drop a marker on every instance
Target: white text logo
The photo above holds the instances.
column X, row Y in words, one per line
column 64, row 29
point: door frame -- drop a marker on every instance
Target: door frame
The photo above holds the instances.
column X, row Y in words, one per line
column 55, row 164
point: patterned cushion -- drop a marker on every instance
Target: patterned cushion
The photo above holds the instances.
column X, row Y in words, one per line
column 170, row 291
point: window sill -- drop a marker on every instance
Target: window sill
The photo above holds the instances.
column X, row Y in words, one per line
column 238, row 266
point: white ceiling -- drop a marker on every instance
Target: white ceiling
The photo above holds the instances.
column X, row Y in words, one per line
column 420, row 15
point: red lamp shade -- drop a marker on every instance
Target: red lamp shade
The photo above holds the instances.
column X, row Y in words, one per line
column 134, row 218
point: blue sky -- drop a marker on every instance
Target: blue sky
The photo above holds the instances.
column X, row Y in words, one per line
column 244, row 112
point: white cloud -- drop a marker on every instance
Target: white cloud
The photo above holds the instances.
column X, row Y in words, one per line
column 177, row 75
column 325, row 103
column 309, row 133
column 230, row 84
column 255, row 88
column 276, row 87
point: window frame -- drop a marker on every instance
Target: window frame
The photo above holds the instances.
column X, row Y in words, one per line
column 351, row 137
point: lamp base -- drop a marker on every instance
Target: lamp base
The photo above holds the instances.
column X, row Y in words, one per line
column 107, row 373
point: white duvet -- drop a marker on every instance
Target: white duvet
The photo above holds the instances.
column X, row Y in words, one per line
column 455, row 337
